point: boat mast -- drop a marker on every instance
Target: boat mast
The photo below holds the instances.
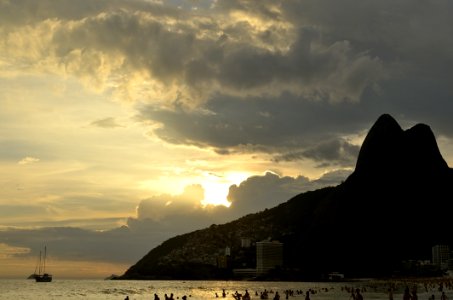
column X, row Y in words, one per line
column 40, row 262
column 44, row 263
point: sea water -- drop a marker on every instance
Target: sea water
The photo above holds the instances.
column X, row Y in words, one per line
column 119, row 289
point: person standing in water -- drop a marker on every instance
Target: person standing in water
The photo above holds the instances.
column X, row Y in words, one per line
column 390, row 293
column 358, row 296
column 407, row 294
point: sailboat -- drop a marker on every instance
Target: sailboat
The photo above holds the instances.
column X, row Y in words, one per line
column 40, row 274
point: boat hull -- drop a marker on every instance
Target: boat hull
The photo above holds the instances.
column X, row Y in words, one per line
column 43, row 278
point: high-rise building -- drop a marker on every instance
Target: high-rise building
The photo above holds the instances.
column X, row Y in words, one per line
column 269, row 254
column 441, row 256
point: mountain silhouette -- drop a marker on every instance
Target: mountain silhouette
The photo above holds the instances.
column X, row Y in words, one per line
column 388, row 148
column 395, row 206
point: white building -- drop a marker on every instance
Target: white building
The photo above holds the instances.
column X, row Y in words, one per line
column 269, row 254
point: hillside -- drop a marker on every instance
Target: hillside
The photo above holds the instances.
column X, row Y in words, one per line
column 394, row 206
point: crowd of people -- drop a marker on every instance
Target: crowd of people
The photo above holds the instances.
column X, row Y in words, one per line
column 401, row 290
column 264, row 295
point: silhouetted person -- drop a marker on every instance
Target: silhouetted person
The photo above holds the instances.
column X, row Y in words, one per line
column 237, row 296
column 156, row 297
column 407, row 294
column 307, row 295
column 443, row 296
column 390, row 294
column 358, row 296
column 127, row 298
column 414, row 295
column 276, row 296
column 246, row 295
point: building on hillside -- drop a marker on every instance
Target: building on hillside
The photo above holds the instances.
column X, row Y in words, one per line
column 269, row 255
column 441, row 256
column 223, row 262
column 246, row 242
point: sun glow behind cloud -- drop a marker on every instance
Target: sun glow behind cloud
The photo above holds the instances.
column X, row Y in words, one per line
column 216, row 187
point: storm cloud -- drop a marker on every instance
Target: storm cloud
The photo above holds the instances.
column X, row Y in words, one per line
column 303, row 55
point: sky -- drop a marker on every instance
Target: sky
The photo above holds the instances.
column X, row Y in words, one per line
column 126, row 122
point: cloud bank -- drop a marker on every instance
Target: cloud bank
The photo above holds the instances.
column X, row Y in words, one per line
column 279, row 61
column 159, row 218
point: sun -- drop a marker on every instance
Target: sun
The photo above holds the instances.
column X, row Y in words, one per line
column 216, row 187
column 215, row 193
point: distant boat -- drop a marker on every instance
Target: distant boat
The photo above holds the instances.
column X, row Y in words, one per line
column 40, row 274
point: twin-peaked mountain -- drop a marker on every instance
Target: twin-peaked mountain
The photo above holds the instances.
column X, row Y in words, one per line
column 395, row 206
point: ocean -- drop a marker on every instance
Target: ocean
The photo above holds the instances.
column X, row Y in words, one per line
column 116, row 289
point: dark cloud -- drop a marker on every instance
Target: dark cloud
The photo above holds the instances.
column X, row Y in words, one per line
column 331, row 178
column 260, row 192
column 23, row 12
column 333, row 72
column 201, row 53
column 384, row 57
column 289, row 128
column 333, row 152
column 410, row 38
column 264, row 192
column 106, row 123
column 391, row 55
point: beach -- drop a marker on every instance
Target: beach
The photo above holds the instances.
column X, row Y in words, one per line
column 117, row 289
